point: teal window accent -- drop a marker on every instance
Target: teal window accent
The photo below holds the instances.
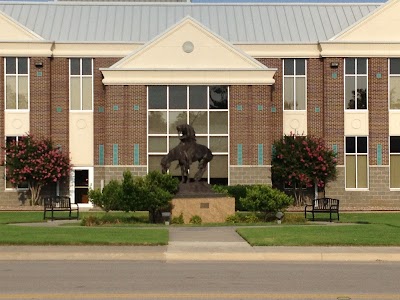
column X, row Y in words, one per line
column 273, row 109
column 39, row 73
column 115, row 107
column 58, row 109
column 101, row 155
column 58, row 146
column 260, row 107
column 115, row 154
column 334, row 75
column 101, row 109
column 239, row 107
column 260, row 154
column 317, row 109
column 136, row 154
column 379, row 154
column 239, row 154
column 335, row 148
column 378, row 75
column 136, row 107
column 273, row 151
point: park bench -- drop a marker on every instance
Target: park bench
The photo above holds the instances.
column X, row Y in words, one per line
column 323, row 205
column 59, row 203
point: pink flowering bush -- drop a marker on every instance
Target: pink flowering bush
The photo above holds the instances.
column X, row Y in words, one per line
column 36, row 162
column 300, row 162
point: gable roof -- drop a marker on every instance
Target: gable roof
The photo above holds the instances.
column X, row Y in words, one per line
column 246, row 23
column 13, row 31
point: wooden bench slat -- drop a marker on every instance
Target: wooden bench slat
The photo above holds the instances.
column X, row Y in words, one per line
column 323, row 205
column 59, row 203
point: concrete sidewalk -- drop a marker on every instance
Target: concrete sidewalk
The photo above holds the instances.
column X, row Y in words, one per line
column 200, row 244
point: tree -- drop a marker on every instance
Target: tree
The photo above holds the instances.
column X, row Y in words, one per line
column 300, row 162
column 36, row 162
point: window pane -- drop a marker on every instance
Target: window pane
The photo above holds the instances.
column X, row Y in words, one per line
column 218, row 122
column 11, row 86
column 219, row 144
column 198, row 97
column 157, row 97
column 394, row 92
column 362, row 92
column 154, row 162
column 86, row 66
column 362, row 172
column 219, row 166
column 157, row 144
column 11, row 65
column 176, row 118
column 361, row 66
column 395, row 66
column 300, row 67
column 75, row 66
column 157, row 122
column 395, row 144
column 23, row 92
column 198, row 120
column 300, row 93
column 177, row 97
column 289, row 67
column 395, row 171
column 362, row 145
column 288, row 94
column 350, row 92
column 22, row 65
column 75, row 93
column 350, row 66
column 202, row 140
column 87, row 93
column 350, row 171
column 218, row 97
column 173, row 141
column 350, row 144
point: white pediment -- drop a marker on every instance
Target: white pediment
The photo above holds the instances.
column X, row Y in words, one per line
column 381, row 25
column 188, row 45
column 11, row 30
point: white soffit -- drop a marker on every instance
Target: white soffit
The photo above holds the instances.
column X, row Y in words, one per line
column 188, row 48
column 14, row 31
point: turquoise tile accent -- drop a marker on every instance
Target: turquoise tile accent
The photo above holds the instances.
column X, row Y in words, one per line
column 239, row 154
column 335, row 148
column 334, row 75
column 273, row 109
column 273, row 151
column 239, row 107
column 260, row 107
column 59, row 147
column 136, row 107
column 101, row 109
column 379, row 154
column 378, row 75
column 136, row 154
column 115, row 107
column 39, row 73
column 260, row 154
column 101, row 155
column 58, row 109
column 115, row 154
column 317, row 109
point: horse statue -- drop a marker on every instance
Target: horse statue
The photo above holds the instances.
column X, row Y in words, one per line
column 187, row 152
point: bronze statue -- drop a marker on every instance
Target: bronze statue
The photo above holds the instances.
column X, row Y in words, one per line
column 187, row 152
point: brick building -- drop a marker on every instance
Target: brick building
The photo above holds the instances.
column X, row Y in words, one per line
column 109, row 82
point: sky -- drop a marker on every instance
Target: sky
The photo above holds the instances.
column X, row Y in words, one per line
column 288, row 1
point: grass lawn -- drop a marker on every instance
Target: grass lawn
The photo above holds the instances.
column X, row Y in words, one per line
column 368, row 229
column 73, row 235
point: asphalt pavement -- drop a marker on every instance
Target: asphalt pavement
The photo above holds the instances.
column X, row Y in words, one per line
column 199, row 244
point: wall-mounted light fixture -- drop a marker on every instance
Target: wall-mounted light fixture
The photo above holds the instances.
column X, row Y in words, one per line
column 334, row 64
column 39, row 65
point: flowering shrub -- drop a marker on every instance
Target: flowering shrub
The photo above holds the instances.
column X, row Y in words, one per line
column 36, row 162
column 301, row 162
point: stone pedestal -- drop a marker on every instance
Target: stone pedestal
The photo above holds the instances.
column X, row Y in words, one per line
column 197, row 198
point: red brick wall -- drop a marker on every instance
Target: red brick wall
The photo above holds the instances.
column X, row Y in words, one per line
column 315, row 97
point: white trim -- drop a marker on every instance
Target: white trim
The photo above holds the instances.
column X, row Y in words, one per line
column 356, row 155
column 294, row 76
column 356, row 76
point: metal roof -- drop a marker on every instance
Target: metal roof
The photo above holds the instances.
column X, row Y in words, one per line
column 257, row 23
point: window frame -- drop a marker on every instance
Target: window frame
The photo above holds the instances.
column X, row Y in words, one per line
column 294, row 76
column 81, row 77
column 356, row 154
column 390, row 76
column 17, row 76
column 356, row 75
column 390, row 163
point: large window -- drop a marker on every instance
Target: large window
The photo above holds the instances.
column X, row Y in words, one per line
column 357, row 162
column 356, row 83
column 16, row 83
column 394, row 83
column 294, row 84
column 203, row 107
column 81, row 84
column 9, row 185
column 394, row 148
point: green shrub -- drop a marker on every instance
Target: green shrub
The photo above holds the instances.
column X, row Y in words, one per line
column 242, row 218
column 293, row 218
column 109, row 198
column 236, row 191
column 195, row 220
column 252, row 218
column 178, row 220
column 233, row 219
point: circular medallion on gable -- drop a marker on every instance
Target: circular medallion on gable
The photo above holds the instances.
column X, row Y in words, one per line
column 356, row 123
column 17, row 123
column 81, row 124
column 295, row 124
column 188, row 47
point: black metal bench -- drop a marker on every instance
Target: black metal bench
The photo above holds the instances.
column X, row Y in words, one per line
column 323, row 205
column 59, row 203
